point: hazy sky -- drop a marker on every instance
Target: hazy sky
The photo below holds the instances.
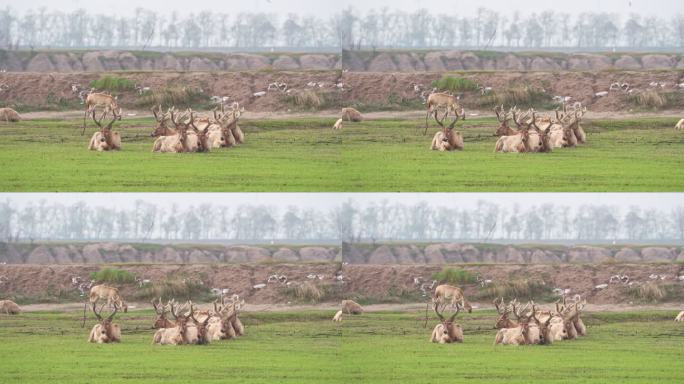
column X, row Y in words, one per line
column 325, row 7
column 325, row 201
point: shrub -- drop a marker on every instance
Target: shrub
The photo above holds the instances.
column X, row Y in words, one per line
column 651, row 291
column 522, row 96
column 306, row 292
column 181, row 97
column 112, row 83
column 306, row 99
column 455, row 84
column 455, row 276
column 654, row 99
column 113, row 275
column 174, row 288
column 522, row 289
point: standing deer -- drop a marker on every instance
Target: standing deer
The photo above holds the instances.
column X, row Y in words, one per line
column 448, row 294
column 105, row 331
column 108, row 102
column 680, row 317
column 104, row 139
column 445, row 101
column 446, row 331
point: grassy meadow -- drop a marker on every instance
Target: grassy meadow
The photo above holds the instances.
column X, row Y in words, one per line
column 306, row 347
column 305, row 155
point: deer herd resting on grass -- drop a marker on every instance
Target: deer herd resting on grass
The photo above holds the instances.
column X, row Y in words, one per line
column 189, row 133
column 189, row 325
column 517, row 324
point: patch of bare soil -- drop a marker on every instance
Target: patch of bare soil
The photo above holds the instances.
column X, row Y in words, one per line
column 376, row 282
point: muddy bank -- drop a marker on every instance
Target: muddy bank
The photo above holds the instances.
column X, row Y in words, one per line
column 451, row 253
column 336, row 89
column 367, row 283
column 452, row 60
column 107, row 253
column 110, row 60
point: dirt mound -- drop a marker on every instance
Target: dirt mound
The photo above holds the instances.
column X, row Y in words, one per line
column 368, row 89
column 107, row 253
column 442, row 253
column 101, row 61
column 439, row 61
column 373, row 282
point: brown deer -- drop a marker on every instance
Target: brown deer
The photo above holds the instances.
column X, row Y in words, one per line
column 446, row 331
column 176, row 335
column 108, row 102
column 228, row 121
column 105, row 139
column 176, row 142
column 447, row 139
column 448, row 294
column 441, row 100
column 161, row 321
column 520, row 334
column 105, row 331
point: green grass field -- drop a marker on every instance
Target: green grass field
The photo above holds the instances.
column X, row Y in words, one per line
column 306, row 347
column 306, row 155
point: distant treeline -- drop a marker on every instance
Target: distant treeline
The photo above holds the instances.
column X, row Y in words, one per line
column 348, row 221
column 348, row 28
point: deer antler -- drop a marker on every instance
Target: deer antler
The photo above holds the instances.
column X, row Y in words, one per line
column 97, row 314
column 116, row 309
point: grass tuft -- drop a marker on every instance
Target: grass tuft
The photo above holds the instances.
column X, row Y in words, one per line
column 455, row 84
column 181, row 97
column 174, row 288
column 454, row 276
column 522, row 289
column 112, row 84
column 113, row 275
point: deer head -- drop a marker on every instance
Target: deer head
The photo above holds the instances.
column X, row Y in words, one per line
column 106, row 322
column 544, row 328
column 162, row 321
column 452, row 331
column 504, row 311
column 162, row 118
column 202, row 337
column 181, row 320
column 504, row 117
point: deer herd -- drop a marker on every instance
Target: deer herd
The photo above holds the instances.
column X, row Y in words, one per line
column 175, row 131
column 188, row 325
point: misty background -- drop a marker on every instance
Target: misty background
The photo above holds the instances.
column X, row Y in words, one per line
column 329, row 217
column 332, row 25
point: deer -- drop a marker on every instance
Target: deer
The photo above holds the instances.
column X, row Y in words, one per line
column 9, row 307
column 161, row 321
column 680, row 125
column 176, row 142
column 447, row 139
column 96, row 99
column 448, row 294
column 446, row 331
column 351, row 307
column 105, row 331
column 104, row 139
column 572, row 121
column 337, row 125
column 338, row 316
column 110, row 294
column 438, row 100
column 520, row 141
column 520, row 334
column 680, row 317
column 176, row 335
column 227, row 121
column 198, row 332
column 233, row 327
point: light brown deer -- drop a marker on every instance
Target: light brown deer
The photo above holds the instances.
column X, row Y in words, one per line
column 440, row 100
column 105, row 139
column 176, row 335
column 161, row 321
column 520, row 334
column 447, row 139
column 447, row 331
column 9, row 307
column 110, row 294
column 97, row 99
column 228, row 121
column 448, row 294
column 176, row 142
column 105, row 331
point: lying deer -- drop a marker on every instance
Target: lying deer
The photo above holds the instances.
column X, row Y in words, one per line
column 105, row 331
column 447, row 139
column 104, row 139
column 446, row 331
